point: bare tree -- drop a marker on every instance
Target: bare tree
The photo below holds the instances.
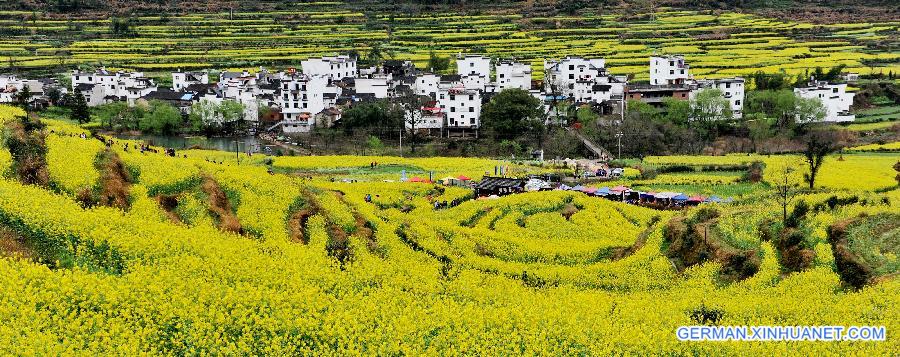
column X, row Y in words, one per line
column 411, row 104
column 786, row 188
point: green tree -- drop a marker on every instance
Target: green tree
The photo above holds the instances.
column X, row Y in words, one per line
column 586, row 116
column 203, row 114
column 511, row 114
column 231, row 111
column 80, row 111
column 378, row 115
column 809, row 110
column 779, row 105
column 438, row 63
column 710, row 105
column 23, row 98
column 817, row 145
column 374, row 143
column 112, row 114
column 375, row 56
column 677, row 111
column 161, row 118
column 759, row 127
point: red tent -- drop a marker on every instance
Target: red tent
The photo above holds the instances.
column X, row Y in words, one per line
column 619, row 188
column 697, row 198
column 463, row 178
column 416, row 179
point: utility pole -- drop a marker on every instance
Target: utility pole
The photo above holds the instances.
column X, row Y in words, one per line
column 237, row 153
column 401, row 142
column 619, row 140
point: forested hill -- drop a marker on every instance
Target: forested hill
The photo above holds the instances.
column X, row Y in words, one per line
column 813, row 10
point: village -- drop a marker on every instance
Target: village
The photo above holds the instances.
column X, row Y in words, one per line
column 296, row 101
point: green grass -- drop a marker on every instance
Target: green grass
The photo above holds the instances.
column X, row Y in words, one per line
column 881, row 113
column 876, row 240
column 735, row 190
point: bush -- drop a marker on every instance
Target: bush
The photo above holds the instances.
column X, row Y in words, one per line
column 798, row 215
column 754, row 173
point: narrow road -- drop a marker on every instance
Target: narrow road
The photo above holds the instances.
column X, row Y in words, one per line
column 601, row 153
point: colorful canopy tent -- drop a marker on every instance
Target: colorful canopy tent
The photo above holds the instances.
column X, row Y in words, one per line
column 681, row 197
column 590, row 190
column 536, row 185
column 666, row 195
column 463, row 178
column 696, row 198
column 416, row 179
column 714, row 199
column 578, row 188
column 564, row 187
column 603, row 191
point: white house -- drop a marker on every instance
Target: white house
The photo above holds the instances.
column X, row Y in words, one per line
column 512, row 74
column 668, row 70
column 833, row 95
column 377, row 85
column 732, row 89
column 461, row 106
column 474, row 70
column 333, row 67
column 427, row 84
column 563, row 74
column 300, row 97
column 128, row 86
column 181, row 80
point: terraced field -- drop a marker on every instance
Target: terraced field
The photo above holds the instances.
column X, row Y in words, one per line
column 108, row 250
column 716, row 44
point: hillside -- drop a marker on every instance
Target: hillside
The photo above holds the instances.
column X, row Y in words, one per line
column 807, row 10
column 108, row 249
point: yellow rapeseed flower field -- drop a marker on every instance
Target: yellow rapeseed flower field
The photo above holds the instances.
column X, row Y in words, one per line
column 537, row 273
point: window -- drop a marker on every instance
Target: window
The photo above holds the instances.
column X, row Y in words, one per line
column 671, row 72
column 453, row 109
column 471, row 64
column 834, row 90
column 672, row 63
column 452, row 97
column 471, row 109
column 681, row 71
column 571, row 76
column 727, row 84
column 471, row 97
column 571, row 67
column 442, row 96
column 737, row 102
column 501, row 75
